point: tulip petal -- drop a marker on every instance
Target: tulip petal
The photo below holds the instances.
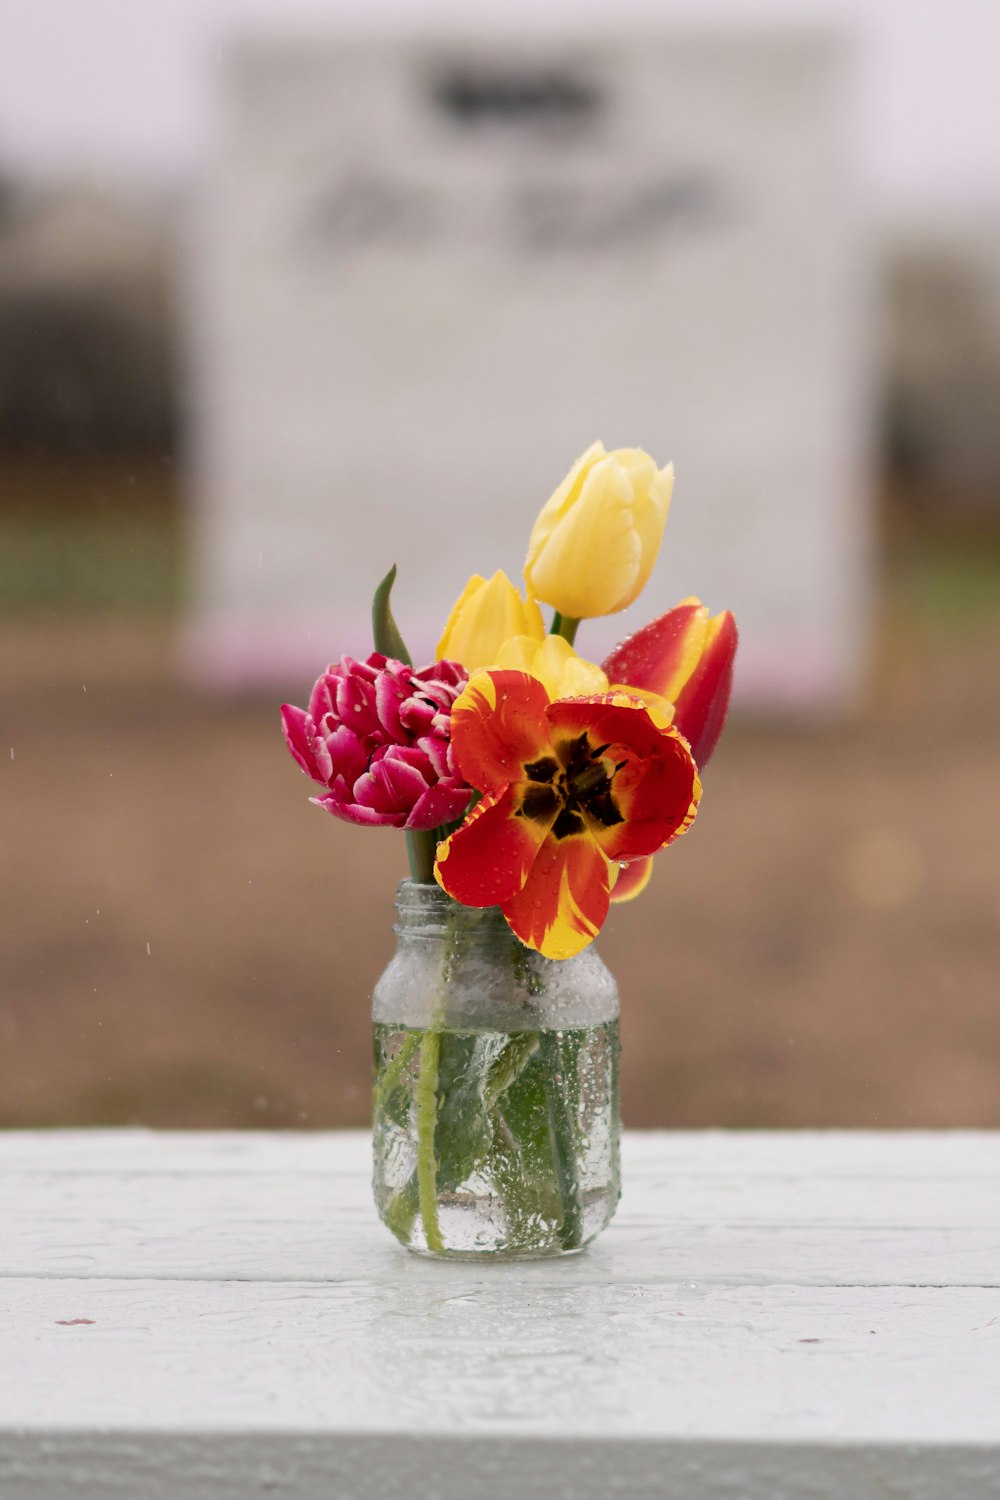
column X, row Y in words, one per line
column 564, row 900
column 662, row 655
column 342, row 755
column 497, row 726
column 553, row 661
column 322, row 700
column 487, row 613
column 436, row 750
column 702, row 705
column 395, row 781
column 354, row 812
column 633, row 879
column 658, row 798
column 300, row 737
column 487, row 860
column 389, row 696
column 439, row 804
column 355, row 703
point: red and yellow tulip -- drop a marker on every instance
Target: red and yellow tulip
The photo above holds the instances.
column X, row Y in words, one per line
column 687, row 657
column 572, row 788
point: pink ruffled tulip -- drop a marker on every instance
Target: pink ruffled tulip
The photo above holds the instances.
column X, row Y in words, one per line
column 377, row 734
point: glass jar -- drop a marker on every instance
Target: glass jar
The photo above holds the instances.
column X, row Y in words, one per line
column 496, row 1128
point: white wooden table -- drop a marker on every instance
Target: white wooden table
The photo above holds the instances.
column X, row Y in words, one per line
column 771, row 1315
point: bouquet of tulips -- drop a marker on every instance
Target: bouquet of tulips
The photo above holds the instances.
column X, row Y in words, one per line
column 525, row 776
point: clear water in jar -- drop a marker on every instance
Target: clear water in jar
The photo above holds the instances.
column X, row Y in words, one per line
column 499, row 1143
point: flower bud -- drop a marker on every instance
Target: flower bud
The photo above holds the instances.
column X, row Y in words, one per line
column 486, row 614
column 686, row 657
column 594, row 543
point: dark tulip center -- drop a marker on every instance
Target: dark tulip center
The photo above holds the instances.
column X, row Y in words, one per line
column 575, row 783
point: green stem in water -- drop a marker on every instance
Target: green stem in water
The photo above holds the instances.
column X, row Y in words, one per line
column 427, row 1104
column 426, row 1098
column 402, row 1210
column 509, row 1066
column 395, row 1069
column 504, row 1073
column 562, row 1127
column 564, row 625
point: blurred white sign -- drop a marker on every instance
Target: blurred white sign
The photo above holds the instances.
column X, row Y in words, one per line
column 432, row 274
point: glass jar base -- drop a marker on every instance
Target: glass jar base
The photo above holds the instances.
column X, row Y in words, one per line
column 476, row 1228
column 479, row 1257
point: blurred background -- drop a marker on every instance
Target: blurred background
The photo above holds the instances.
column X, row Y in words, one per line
column 290, row 291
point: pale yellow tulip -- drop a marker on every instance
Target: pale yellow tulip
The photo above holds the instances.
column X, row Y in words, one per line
column 595, row 541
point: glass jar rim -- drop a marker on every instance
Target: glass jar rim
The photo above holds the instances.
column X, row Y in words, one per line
column 428, row 911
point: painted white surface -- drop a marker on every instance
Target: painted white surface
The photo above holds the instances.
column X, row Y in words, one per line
column 770, row 1315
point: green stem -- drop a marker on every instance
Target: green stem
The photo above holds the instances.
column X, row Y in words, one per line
column 402, row 1210
column 421, row 847
column 395, row 1069
column 427, row 1105
column 505, row 1072
column 426, row 1097
column 509, row 1066
column 562, row 1127
column 564, row 625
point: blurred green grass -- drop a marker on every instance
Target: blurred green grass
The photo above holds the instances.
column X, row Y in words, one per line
column 953, row 581
column 90, row 562
column 100, row 536
column 85, row 537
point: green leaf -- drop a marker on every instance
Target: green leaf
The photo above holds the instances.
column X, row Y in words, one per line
column 464, row 1129
column 384, row 628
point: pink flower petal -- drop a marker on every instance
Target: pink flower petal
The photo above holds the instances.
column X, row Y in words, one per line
column 391, row 785
column 300, row 737
column 436, row 750
column 346, row 755
column 448, row 672
column 389, row 696
column 324, row 697
column 356, row 705
column 352, row 812
column 439, row 804
column 417, row 715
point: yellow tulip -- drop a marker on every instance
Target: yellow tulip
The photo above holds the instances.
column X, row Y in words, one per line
column 595, row 541
column 486, row 614
column 554, row 663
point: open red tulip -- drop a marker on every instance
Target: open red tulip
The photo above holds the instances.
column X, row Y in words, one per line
column 571, row 789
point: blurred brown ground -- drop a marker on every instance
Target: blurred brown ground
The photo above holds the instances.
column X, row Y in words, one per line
column 185, row 941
